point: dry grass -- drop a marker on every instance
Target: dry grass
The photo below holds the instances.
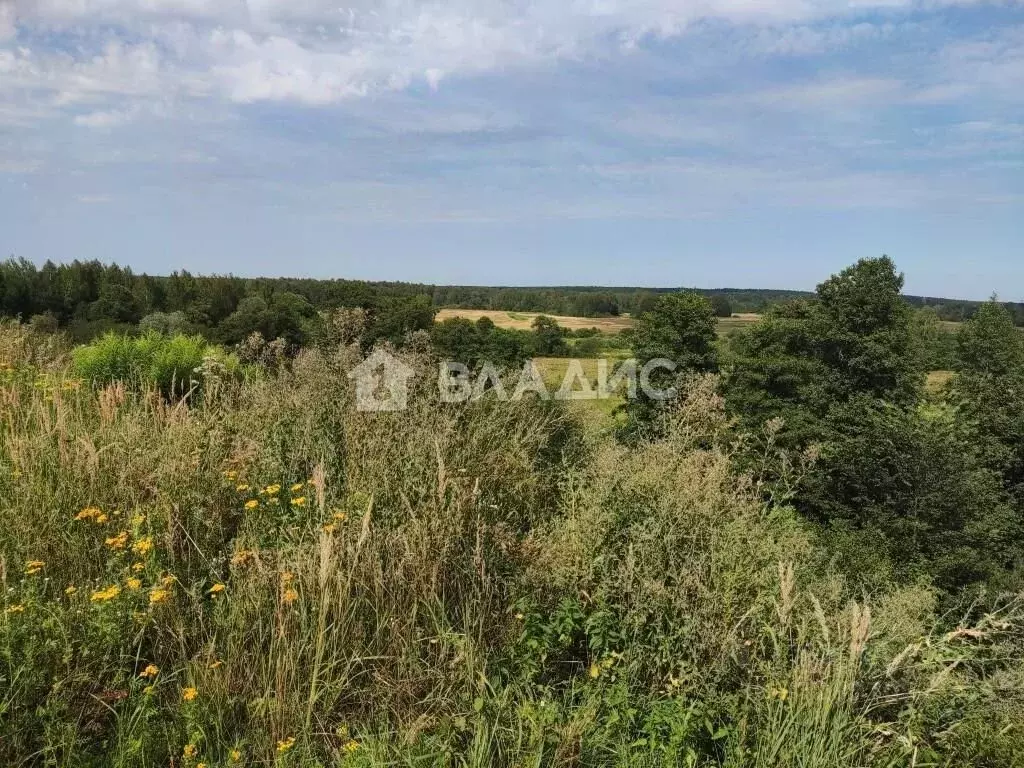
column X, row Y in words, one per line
column 611, row 325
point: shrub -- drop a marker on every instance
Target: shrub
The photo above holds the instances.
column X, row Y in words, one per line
column 168, row 363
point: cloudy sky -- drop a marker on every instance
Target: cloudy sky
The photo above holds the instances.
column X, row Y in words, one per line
column 759, row 143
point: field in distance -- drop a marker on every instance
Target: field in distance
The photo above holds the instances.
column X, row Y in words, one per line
column 523, row 320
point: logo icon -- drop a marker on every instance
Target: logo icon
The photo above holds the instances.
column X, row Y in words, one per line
column 382, row 383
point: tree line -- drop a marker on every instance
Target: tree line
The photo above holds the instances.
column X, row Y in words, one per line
column 89, row 298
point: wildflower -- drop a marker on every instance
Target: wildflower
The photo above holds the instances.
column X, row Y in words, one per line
column 272, row 490
column 138, row 567
column 101, row 518
column 70, row 589
column 148, row 690
column 138, row 519
column 251, row 504
column 103, row 595
column 329, row 528
column 287, row 577
column 290, row 595
column 241, row 557
column 133, row 584
column 189, row 751
column 151, row 671
column 340, row 516
column 189, row 694
column 143, row 546
column 158, row 596
column 351, row 746
column 520, row 617
column 594, row 671
column 200, row 765
column 91, row 513
column 242, row 488
column 299, row 501
column 215, row 664
column 298, row 487
column 216, row 589
column 230, row 474
column 779, row 693
column 235, row 755
column 34, row 566
column 117, row 542
column 284, row 746
column 16, row 608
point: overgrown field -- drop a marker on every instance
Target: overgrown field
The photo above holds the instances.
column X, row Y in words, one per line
column 259, row 574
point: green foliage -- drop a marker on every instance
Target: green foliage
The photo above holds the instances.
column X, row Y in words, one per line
column 460, row 340
column 548, row 337
column 169, row 363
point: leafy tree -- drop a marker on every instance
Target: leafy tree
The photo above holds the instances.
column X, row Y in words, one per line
column 721, row 305
column 912, row 483
column 549, row 337
column 988, row 344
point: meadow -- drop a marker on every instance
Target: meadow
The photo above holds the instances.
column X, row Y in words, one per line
column 523, row 321
column 250, row 571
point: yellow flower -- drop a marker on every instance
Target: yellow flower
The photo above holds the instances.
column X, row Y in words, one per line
column 158, row 596
column 329, row 528
column 133, row 584
column 189, row 751
column 200, row 765
column 298, row 487
column 102, row 595
column 215, row 664
column 89, row 513
column 138, row 519
column 284, row 746
column 189, row 694
column 340, row 516
column 242, row 488
column 351, row 746
column 235, row 754
column 143, row 546
column 594, row 671
column 17, row 608
column 117, row 542
column 272, row 490
column 138, row 567
column 70, row 589
column 216, row 589
column 230, row 474
column 241, row 557
column 290, row 595
column 148, row 690
column 299, row 501
column 101, row 519
column 151, row 671
column 251, row 504
column 34, row 566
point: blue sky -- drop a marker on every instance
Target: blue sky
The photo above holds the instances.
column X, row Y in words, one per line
column 743, row 143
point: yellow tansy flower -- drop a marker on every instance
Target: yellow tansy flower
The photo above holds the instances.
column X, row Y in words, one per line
column 34, row 566
column 215, row 664
column 158, row 596
column 143, row 546
column 290, row 595
column 298, row 487
column 151, row 671
column 103, row 595
column 241, row 557
column 299, row 501
column 133, row 584
column 17, row 608
column 189, row 694
column 235, row 755
column 117, row 542
column 242, row 488
column 284, row 746
column 89, row 513
column 138, row 567
column 70, row 589
column 251, row 504
column 189, row 751
column 351, row 746
column 272, row 490
column 216, row 589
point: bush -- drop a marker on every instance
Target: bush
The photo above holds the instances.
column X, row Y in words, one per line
column 168, row 363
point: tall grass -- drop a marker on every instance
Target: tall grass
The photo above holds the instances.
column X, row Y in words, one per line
column 267, row 576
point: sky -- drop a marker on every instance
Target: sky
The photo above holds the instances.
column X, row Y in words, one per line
column 708, row 143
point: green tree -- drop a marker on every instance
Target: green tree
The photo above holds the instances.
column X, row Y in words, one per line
column 548, row 337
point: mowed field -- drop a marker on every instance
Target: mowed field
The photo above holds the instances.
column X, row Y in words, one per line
column 523, row 320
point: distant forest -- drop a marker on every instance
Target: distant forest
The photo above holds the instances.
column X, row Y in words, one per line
column 89, row 298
